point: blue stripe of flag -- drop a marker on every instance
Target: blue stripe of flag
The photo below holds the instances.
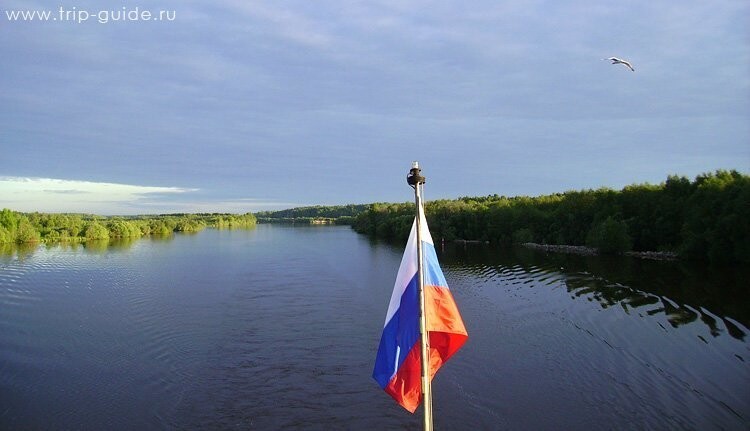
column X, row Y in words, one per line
column 404, row 328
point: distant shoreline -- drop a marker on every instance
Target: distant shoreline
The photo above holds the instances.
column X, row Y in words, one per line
column 591, row 251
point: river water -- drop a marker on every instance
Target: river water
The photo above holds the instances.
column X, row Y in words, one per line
column 277, row 328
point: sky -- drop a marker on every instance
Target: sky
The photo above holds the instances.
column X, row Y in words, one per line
column 237, row 105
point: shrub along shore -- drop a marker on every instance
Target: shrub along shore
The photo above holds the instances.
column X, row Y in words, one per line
column 18, row 227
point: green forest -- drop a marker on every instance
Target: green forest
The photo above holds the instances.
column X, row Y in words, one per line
column 18, row 227
column 704, row 219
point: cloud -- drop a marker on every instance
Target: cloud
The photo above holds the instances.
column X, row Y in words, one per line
column 67, row 192
column 52, row 185
column 59, row 195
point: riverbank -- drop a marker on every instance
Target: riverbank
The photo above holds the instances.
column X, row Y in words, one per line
column 706, row 219
column 591, row 251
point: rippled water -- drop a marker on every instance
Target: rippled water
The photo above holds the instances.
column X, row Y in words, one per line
column 277, row 328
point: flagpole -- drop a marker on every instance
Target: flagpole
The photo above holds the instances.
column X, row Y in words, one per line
column 416, row 181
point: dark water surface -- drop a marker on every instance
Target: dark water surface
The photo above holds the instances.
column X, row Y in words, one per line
column 277, row 328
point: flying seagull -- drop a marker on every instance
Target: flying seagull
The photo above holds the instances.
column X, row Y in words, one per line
column 616, row 60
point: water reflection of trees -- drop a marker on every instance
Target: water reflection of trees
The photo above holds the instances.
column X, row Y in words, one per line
column 25, row 250
column 111, row 245
column 683, row 291
column 18, row 251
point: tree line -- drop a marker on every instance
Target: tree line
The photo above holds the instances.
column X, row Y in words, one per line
column 704, row 219
column 16, row 227
column 335, row 214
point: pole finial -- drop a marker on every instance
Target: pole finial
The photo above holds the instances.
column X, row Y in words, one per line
column 415, row 177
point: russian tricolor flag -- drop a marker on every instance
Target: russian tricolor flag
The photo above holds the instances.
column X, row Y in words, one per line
column 398, row 363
